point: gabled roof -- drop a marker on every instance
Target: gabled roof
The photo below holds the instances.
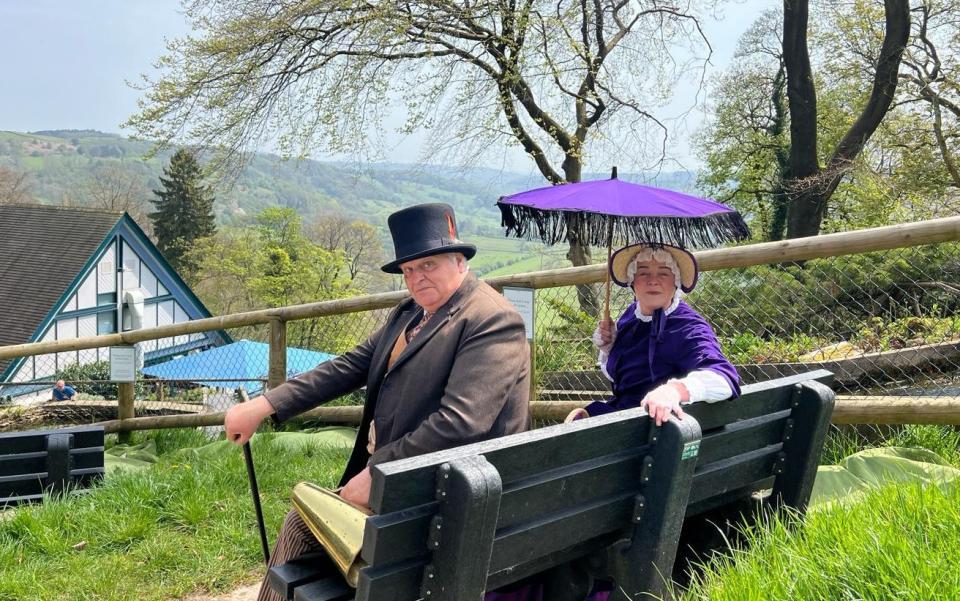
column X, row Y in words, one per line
column 44, row 253
column 42, row 250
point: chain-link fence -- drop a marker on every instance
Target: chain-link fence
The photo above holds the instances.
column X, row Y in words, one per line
column 886, row 323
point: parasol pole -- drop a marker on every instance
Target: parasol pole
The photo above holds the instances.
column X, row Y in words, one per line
column 606, row 300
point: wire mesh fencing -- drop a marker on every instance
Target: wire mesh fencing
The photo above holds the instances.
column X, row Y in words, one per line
column 886, row 323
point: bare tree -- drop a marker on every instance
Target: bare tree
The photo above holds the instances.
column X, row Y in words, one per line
column 932, row 73
column 356, row 239
column 565, row 80
column 14, row 187
column 114, row 188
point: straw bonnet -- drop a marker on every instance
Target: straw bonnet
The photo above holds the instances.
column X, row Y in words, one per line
column 622, row 258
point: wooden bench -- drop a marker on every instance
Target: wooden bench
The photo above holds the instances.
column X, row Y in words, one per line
column 611, row 493
column 39, row 462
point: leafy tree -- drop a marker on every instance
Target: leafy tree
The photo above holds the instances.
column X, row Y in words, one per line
column 358, row 241
column 752, row 160
column 184, row 209
column 563, row 80
column 273, row 265
column 808, row 185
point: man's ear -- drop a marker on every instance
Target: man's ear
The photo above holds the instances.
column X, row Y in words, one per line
column 462, row 266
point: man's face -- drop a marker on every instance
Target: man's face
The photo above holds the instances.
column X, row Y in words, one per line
column 433, row 280
column 654, row 284
column 60, row 384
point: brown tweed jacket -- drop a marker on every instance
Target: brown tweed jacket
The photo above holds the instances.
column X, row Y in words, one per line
column 465, row 377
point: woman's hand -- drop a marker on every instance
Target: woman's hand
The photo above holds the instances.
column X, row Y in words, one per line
column 605, row 330
column 575, row 415
column 664, row 400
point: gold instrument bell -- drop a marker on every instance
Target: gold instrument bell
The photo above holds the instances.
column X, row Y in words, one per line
column 337, row 524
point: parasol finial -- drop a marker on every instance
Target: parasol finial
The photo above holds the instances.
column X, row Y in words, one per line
column 613, row 172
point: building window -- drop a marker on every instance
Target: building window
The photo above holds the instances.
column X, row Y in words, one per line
column 106, row 298
column 106, row 323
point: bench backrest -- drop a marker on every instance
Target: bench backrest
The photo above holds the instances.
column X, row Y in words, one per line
column 452, row 524
column 36, row 462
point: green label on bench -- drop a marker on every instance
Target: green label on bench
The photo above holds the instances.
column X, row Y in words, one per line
column 691, row 449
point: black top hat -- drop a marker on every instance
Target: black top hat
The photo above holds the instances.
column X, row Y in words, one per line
column 424, row 230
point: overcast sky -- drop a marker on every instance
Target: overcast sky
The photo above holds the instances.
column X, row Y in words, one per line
column 65, row 63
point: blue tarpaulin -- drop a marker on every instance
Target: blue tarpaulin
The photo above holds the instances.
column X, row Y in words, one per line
column 241, row 363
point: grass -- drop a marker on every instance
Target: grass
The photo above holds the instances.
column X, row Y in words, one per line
column 844, row 441
column 899, row 543
column 186, row 524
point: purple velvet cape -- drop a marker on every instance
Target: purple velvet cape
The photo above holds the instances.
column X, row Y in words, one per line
column 647, row 354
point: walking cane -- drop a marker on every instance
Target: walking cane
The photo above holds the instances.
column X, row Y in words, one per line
column 252, row 476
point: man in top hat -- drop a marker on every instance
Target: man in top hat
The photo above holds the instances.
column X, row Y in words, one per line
column 449, row 367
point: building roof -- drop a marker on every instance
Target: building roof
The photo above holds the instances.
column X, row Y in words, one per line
column 44, row 248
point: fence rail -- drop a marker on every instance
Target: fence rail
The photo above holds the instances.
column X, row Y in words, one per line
column 878, row 306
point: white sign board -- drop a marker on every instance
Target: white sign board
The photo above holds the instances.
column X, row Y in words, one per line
column 123, row 364
column 522, row 300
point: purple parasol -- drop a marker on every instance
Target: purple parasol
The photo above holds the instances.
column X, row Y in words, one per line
column 599, row 211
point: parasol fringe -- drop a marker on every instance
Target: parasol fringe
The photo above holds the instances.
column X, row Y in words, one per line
column 592, row 228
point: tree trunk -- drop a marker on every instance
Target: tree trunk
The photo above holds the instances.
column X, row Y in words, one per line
column 809, row 188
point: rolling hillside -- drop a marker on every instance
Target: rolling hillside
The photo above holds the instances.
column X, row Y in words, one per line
column 63, row 166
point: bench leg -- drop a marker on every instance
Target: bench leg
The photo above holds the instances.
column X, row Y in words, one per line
column 58, row 463
column 643, row 566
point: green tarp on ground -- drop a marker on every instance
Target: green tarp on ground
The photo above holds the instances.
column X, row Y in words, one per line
column 144, row 455
column 872, row 468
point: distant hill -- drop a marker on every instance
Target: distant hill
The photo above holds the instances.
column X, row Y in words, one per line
column 61, row 163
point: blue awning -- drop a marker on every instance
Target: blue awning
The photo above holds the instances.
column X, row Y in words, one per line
column 241, row 363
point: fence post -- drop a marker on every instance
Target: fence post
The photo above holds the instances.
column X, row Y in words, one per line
column 277, row 373
column 533, row 370
column 124, row 408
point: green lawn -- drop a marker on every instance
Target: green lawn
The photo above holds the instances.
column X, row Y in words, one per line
column 184, row 525
column 187, row 524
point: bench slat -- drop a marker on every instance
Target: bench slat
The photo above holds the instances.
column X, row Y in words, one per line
column 571, row 486
column 410, row 482
column 535, row 539
column 395, row 582
column 740, row 472
column 741, row 437
column 403, row 535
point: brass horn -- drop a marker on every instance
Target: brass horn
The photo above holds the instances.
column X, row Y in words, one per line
column 337, row 524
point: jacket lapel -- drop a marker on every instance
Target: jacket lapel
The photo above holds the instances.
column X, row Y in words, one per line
column 380, row 360
column 436, row 323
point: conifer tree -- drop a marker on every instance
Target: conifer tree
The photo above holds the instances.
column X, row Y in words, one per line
column 184, row 209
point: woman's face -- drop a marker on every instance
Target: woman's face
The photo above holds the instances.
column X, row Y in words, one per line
column 654, row 285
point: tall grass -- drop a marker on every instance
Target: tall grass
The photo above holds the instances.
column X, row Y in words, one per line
column 844, row 441
column 899, row 543
column 185, row 524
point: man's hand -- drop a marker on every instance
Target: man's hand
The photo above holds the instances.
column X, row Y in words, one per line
column 242, row 420
column 664, row 400
column 357, row 490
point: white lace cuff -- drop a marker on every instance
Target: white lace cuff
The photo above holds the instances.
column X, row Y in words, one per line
column 706, row 385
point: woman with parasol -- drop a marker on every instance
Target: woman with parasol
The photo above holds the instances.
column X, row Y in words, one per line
column 661, row 353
